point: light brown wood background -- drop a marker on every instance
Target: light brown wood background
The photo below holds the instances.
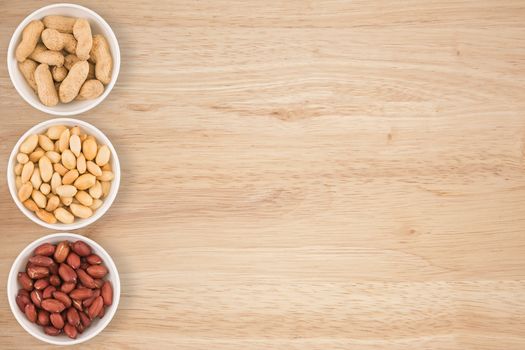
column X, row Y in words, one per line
column 305, row 175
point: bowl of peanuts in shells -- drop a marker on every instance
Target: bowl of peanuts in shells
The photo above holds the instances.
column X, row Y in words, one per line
column 63, row 289
column 63, row 59
column 63, row 174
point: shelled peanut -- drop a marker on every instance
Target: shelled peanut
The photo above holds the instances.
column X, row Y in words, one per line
column 63, row 174
column 63, row 61
column 63, row 289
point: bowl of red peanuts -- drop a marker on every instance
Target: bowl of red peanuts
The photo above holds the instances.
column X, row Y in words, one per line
column 63, row 289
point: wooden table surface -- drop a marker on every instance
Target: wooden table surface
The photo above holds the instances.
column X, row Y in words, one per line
column 305, row 175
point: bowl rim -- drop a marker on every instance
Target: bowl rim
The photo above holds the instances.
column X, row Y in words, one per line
column 115, row 184
column 108, row 261
column 11, row 61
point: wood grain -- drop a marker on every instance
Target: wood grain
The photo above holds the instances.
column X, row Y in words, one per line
column 305, row 175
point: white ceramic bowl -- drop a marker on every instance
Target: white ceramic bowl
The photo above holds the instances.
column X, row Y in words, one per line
column 101, row 139
column 35, row 330
column 98, row 26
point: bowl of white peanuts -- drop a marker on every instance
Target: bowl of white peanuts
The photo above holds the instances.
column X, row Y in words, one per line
column 63, row 59
column 63, row 174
